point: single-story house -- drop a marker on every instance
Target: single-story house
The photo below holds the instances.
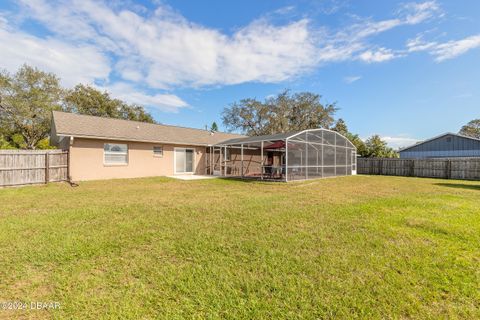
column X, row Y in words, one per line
column 107, row 148
column 447, row 145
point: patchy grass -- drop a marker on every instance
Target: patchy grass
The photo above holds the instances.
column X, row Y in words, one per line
column 363, row 246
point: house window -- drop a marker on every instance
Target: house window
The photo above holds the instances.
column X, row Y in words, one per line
column 449, row 139
column 158, row 152
column 115, row 154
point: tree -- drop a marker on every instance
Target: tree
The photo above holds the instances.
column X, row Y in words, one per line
column 340, row 127
column 84, row 99
column 377, row 148
column 27, row 99
column 471, row 129
column 358, row 143
column 282, row 113
column 214, row 127
column 4, row 144
column 18, row 142
column 134, row 112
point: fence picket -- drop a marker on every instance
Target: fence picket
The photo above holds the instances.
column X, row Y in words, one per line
column 22, row 167
column 448, row 168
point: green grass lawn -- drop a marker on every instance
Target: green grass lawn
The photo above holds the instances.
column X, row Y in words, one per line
column 351, row 247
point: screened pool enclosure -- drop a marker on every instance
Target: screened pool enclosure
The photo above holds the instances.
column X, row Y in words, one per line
column 302, row 155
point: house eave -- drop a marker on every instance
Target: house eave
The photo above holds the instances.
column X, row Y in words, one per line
column 133, row 140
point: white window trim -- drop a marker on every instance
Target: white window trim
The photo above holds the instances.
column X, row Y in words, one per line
column 156, row 155
column 108, row 164
column 175, row 160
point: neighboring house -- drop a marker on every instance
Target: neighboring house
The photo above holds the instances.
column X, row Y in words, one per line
column 106, row 148
column 448, row 145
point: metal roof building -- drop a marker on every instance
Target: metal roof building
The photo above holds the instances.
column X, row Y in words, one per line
column 447, row 145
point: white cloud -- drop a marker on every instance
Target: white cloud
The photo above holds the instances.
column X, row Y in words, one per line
column 370, row 28
column 3, row 21
column 175, row 52
column 72, row 63
column 419, row 12
column 65, row 20
column 418, row 44
column 95, row 41
column 410, row 14
column 76, row 63
column 446, row 50
column 352, row 79
column 131, row 94
column 164, row 50
column 378, row 55
column 348, row 43
column 329, row 7
column 453, row 49
column 284, row 10
column 399, row 142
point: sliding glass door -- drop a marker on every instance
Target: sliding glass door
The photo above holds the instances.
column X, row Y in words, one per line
column 184, row 160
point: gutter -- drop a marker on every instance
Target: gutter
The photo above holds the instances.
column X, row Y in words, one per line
column 136, row 140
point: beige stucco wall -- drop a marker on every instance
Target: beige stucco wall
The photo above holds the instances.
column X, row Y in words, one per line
column 86, row 160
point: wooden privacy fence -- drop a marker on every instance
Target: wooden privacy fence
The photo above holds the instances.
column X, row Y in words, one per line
column 21, row 167
column 451, row 168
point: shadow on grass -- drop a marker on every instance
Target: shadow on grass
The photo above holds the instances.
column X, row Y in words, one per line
column 459, row 186
column 249, row 180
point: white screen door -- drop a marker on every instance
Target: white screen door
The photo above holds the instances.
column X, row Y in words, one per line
column 217, row 159
column 184, row 159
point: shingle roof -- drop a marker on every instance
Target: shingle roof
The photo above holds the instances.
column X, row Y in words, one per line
column 70, row 124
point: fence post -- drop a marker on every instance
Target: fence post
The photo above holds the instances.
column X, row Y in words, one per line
column 47, row 167
column 68, row 167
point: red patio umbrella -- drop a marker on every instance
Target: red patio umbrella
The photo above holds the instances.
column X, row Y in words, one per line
column 280, row 144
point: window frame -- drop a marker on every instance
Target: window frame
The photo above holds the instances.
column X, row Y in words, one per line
column 116, row 164
column 155, row 154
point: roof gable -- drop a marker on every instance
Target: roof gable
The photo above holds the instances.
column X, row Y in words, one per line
column 437, row 138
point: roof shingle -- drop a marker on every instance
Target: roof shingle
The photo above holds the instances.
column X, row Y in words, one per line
column 70, row 124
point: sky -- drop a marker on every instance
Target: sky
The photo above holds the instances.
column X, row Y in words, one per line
column 406, row 70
